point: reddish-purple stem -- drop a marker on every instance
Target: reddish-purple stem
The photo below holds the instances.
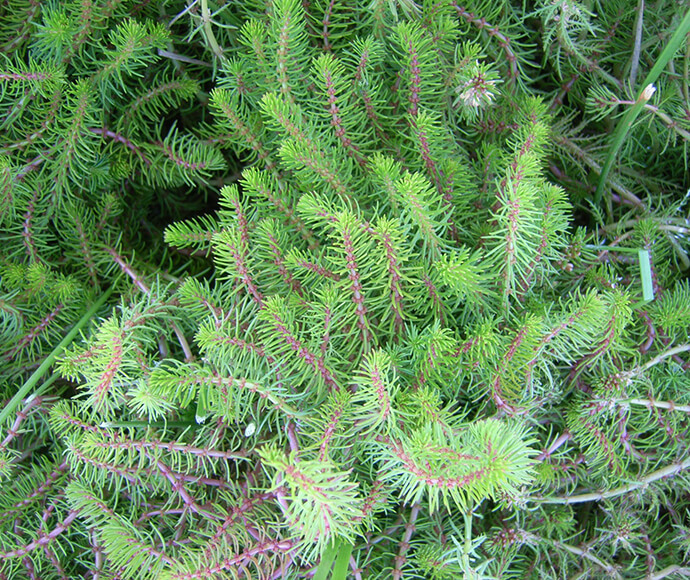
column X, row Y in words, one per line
column 44, row 538
column 404, row 544
column 121, row 139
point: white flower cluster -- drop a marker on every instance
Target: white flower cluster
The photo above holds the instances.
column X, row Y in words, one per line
column 477, row 90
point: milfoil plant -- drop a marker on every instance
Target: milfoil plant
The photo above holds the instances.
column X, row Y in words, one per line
column 320, row 289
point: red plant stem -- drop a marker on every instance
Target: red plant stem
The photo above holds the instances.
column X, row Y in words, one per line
column 24, row 30
column 120, row 139
column 236, row 514
column 49, row 481
column 178, row 159
column 30, row 570
column 159, row 512
column 179, row 488
column 43, row 538
column 279, row 262
column 139, row 283
column 651, row 332
column 127, row 269
column 35, row 332
column 31, row 166
column 329, row 431
column 50, row 554
column 395, row 278
column 203, row 452
column 239, row 560
column 132, row 475
column 494, row 32
column 404, row 544
column 337, row 122
column 565, row 89
column 292, row 437
column 28, row 231
column 13, row 430
column 356, row 570
column 551, row 449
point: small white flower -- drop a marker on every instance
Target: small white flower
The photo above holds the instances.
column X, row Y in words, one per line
column 478, row 90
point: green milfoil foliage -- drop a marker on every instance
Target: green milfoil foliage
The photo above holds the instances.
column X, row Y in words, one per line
column 324, row 289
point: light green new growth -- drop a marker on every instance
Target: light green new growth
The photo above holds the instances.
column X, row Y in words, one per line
column 363, row 290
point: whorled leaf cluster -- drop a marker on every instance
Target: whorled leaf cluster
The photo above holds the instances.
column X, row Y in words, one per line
column 362, row 302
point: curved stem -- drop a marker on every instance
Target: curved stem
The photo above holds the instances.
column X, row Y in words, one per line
column 210, row 37
column 656, row 360
column 668, row 471
column 675, row 569
column 577, row 551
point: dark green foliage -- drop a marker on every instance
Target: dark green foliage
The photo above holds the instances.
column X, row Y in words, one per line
column 362, row 297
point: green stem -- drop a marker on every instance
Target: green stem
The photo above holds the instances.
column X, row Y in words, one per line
column 467, row 517
column 644, row 95
column 668, row 471
column 50, row 359
column 668, row 405
column 656, row 360
column 577, row 551
column 210, row 37
column 675, row 569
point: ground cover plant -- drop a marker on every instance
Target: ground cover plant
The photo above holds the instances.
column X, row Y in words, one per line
column 344, row 290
